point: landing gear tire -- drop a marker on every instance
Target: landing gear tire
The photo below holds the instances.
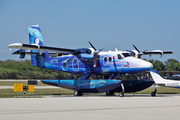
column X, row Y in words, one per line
column 109, row 93
column 121, row 94
column 153, row 94
column 77, row 93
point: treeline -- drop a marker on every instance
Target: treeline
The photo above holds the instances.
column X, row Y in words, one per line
column 11, row 69
column 169, row 65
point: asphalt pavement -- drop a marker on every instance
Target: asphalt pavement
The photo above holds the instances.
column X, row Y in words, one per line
column 129, row 107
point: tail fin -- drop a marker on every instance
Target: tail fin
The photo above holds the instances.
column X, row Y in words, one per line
column 35, row 37
column 156, row 77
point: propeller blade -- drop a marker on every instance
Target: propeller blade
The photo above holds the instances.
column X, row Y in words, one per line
column 145, row 50
column 101, row 49
column 136, row 48
column 92, row 46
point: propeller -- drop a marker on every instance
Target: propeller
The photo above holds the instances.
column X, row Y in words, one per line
column 136, row 48
column 139, row 52
column 92, row 46
column 96, row 52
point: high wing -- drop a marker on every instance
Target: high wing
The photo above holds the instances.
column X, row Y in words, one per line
column 157, row 52
column 41, row 48
column 22, row 53
column 138, row 53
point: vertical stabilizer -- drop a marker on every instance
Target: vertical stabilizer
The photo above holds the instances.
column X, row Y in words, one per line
column 35, row 38
column 156, row 77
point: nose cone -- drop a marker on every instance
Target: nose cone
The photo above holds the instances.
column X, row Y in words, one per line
column 146, row 65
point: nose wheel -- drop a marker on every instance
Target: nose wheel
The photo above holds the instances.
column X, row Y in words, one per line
column 153, row 94
column 121, row 94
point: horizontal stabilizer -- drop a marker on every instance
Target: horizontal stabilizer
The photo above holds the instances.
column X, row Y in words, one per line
column 21, row 52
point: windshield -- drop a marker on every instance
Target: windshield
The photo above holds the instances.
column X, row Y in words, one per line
column 126, row 55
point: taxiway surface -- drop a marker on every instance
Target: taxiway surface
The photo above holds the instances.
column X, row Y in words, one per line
column 138, row 107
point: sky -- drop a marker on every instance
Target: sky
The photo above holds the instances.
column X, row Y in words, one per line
column 109, row 24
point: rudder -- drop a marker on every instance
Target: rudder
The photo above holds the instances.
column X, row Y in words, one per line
column 156, row 77
column 35, row 38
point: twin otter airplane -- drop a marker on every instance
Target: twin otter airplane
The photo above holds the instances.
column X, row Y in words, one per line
column 87, row 61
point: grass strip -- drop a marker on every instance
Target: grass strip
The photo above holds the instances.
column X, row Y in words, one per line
column 9, row 93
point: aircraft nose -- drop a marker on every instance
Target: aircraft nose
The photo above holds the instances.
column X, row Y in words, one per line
column 148, row 65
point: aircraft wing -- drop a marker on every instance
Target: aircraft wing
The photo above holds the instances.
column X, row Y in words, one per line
column 157, row 52
column 153, row 52
column 138, row 54
column 41, row 48
column 53, row 54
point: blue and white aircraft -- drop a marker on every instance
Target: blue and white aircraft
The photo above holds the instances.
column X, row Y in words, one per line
column 87, row 61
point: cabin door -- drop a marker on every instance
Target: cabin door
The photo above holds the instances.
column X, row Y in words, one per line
column 75, row 64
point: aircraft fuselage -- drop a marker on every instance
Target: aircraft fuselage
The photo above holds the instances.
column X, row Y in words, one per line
column 105, row 63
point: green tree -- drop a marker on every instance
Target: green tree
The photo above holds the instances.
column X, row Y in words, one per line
column 171, row 61
column 157, row 65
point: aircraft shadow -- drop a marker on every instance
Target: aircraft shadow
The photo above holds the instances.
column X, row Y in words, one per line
column 126, row 95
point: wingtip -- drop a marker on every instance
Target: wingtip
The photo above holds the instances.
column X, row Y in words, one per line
column 14, row 45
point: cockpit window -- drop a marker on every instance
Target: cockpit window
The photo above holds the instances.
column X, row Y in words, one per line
column 88, row 51
column 126, row 54
column 133, row 54
column 119, row 56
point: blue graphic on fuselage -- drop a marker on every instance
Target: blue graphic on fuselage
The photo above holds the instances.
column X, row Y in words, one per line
column 98, row 86
column 84, row 62
column 94, row 86
column 38, row 41
column 35, row 36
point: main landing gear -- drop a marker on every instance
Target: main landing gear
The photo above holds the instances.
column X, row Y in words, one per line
column 109, row 93
column 121, row 94
column 77, row 93
column 153, row 94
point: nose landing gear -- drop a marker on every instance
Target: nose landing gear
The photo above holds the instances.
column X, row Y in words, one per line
column 153, row 94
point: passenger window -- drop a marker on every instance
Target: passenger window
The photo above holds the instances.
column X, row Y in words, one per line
column 75, row 60
column 85, row 60
column 110, row 58
column 119, row 56
column 105, row 59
